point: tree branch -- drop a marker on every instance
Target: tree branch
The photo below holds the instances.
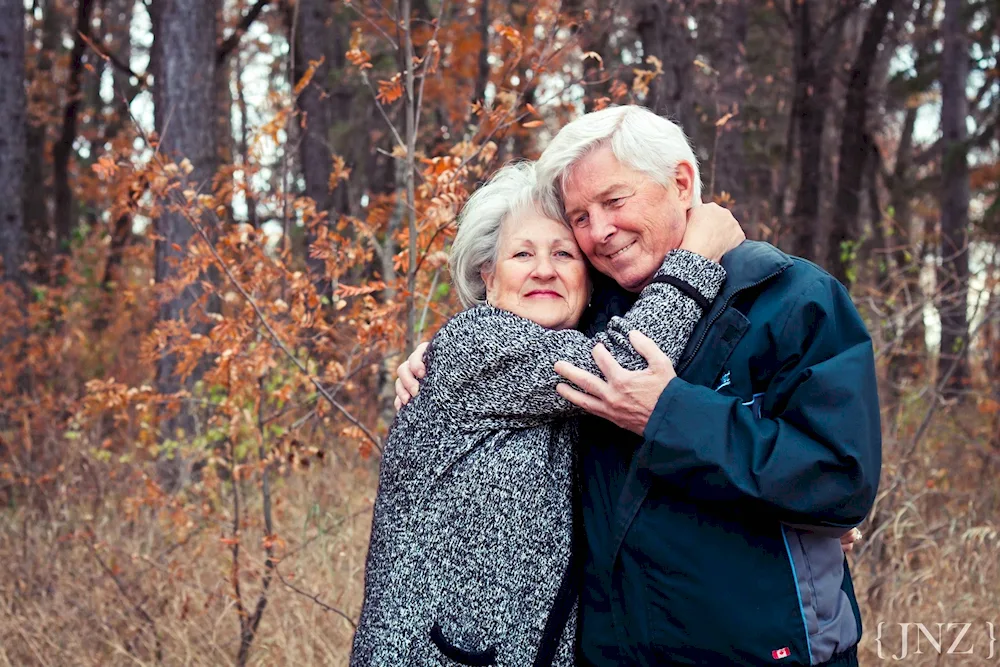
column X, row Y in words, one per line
column 845, row 10
column 275, row 339
column 315, row 598
column 248, row 628
column 234, row 39
column 235, row 570
column 116, row 61
column 124, row 593
column 783, row 14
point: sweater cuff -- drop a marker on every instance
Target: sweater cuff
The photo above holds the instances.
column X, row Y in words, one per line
column 704, row 275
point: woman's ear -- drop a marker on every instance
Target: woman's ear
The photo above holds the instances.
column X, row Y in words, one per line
column 684, row 182
column 489, row 278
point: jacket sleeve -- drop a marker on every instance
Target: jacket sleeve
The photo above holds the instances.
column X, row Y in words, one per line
column 815, row 455
column 494, row 369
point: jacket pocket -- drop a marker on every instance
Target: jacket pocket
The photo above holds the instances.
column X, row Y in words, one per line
column 460, row 655
column 818, row 565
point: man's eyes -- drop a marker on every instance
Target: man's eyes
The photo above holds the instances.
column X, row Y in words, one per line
column 613, row 202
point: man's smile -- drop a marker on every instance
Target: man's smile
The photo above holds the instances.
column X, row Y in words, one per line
column 620, row 251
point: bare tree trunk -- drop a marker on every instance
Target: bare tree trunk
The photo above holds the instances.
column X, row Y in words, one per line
column 811, row 97
column 410, row 112
column 313, row 45
column 483, row 64
column 785, row 175
column 244, row 146
column 908, row 338
column 36, row 213
column 13, row 140
column 62, row 151
column 185, row 60
column 663, row 29
column 908, row 251
column 729, row 167
column 953, row 277
column 854, row 153
column 878, row 239
column 116, row 24
column 225, row 142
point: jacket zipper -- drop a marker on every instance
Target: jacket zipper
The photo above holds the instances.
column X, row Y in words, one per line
column 715, row 319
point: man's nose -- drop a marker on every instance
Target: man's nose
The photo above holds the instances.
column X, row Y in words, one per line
column 602, row 227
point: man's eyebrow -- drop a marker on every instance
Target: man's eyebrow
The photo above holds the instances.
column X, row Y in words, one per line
column 603, row 194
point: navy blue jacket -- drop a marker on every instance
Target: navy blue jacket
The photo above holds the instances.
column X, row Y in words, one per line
column 772, row 423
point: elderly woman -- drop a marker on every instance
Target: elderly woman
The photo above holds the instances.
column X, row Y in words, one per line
column 469, row 562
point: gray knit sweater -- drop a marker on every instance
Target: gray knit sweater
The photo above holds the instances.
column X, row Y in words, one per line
column 473, row 518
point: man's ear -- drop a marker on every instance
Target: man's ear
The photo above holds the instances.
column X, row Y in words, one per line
column 684, row 182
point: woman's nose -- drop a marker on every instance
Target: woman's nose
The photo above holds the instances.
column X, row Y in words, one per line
column 544, row 267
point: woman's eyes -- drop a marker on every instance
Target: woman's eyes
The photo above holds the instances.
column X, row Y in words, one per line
column 557, row 253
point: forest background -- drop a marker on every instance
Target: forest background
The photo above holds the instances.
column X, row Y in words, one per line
column 223, row 221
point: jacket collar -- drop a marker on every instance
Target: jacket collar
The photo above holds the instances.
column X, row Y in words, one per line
column 749, row 263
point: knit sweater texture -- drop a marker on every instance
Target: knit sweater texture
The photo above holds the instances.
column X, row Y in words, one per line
column 471, row 535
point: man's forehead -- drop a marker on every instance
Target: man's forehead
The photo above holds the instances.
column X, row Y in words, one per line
column 593, row 165
column 593, row 175
column 599, row 184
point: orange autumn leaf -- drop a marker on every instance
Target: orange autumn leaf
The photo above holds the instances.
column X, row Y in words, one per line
column 339, row 172
column 307, row 76
column 989, row 406
column 390, row 91
column 722, row 121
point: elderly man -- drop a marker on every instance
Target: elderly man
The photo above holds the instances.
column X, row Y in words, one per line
column 712, row 498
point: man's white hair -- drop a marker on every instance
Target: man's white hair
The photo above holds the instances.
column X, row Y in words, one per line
column 510, row 192
column 638, row 138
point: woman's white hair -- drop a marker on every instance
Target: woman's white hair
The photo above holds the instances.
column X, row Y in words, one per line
column 509, row 192
column 638, row 138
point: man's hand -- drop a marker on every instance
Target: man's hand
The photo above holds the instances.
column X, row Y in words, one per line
column 848, row 539
column 626, row 398
column 408, row 376
column 711, row 231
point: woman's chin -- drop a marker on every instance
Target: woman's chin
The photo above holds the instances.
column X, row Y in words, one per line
column 553, row 320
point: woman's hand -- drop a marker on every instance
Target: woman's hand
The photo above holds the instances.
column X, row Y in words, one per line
column 848, row 539
column 712, row 231
column 408, row 376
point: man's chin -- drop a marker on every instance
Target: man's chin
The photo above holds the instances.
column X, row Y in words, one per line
column 632, row 283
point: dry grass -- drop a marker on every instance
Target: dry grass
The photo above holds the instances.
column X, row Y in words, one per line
column 932, row 555
column 160, row 584
column 157, row 594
